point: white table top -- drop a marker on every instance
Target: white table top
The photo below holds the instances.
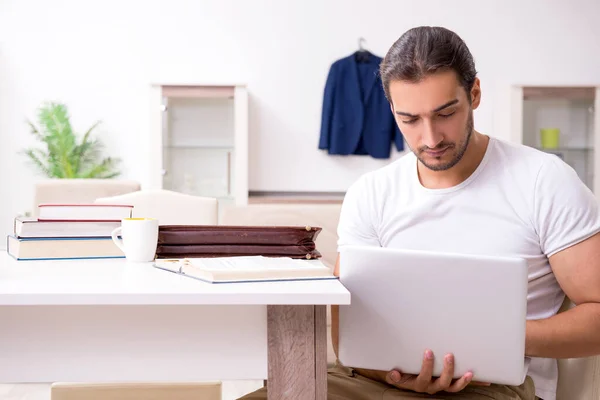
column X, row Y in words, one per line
column 116, row 281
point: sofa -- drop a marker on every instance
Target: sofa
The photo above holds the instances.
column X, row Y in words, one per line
column 579, row 379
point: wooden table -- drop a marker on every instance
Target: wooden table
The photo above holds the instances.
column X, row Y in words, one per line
column 110, row 320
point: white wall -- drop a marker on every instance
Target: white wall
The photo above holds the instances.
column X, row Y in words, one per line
column 100, row 57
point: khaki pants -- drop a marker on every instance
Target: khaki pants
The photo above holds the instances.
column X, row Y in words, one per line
column 345, row 384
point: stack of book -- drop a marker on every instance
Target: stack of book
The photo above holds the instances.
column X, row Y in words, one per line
column 68, row 231
column 204, row 241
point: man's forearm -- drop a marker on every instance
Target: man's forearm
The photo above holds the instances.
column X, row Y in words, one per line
column 570, row 334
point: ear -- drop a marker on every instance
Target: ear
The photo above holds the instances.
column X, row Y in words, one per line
column 476, row 94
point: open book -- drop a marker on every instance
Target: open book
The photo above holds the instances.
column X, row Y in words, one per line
column 246, row 269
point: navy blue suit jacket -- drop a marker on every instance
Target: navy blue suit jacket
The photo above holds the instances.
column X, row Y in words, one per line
column 356, row 116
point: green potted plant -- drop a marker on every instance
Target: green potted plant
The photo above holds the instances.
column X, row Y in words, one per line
column 65, row 155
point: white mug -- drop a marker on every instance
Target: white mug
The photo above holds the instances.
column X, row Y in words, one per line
column 139, row 238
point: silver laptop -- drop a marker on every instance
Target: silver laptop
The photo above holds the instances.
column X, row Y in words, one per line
column 404, row 302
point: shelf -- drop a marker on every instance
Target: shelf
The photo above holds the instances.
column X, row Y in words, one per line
column 566, row 92
column 296, row 197
column 200, row 138
column 202, row 92
column 573, row 112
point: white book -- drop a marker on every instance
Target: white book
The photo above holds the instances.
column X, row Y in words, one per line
column 62, row 248
column 32, row 228
column 246, row 268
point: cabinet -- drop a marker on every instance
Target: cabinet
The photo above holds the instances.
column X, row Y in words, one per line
column 563, row 121
column 199, row 140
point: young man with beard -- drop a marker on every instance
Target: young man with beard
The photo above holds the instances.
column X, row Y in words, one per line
column 462, row 191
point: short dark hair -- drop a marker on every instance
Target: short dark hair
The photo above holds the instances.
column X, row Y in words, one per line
column 424, row 50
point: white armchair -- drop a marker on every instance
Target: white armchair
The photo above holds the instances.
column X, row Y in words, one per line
column 170, row 208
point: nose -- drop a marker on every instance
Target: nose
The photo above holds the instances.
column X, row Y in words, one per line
column 430, row 137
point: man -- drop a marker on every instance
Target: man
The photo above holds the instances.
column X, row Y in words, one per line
column 462, row 191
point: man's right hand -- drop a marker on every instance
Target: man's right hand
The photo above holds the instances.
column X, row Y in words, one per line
column 425, row 382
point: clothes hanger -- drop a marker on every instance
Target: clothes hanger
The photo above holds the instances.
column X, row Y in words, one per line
column 362, row 55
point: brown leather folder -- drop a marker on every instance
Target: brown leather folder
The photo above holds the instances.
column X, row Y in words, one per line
column 187, row 241
column 237, row 235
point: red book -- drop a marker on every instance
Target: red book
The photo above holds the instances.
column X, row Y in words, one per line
column 84, row 212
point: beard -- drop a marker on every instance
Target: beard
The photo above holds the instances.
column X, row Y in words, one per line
column 457, row 149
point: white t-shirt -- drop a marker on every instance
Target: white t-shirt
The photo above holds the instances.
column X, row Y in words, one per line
column 518, row 202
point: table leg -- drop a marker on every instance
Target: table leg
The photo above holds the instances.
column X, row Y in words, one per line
column 297, row 340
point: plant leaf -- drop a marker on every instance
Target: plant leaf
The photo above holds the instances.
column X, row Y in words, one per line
column 36, row 156
column 102, row 170
column 55, row 120
column 64, row 156
column 84, row 151
column 35, row 132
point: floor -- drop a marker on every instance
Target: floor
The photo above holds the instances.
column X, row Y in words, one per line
column 41, row 391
